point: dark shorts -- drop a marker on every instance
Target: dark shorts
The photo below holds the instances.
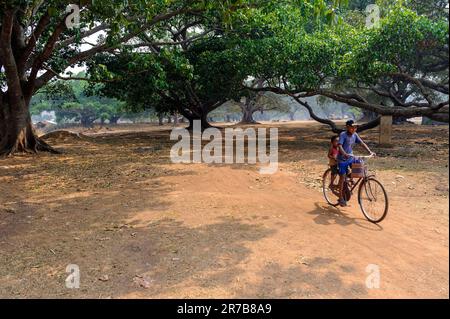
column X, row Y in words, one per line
column 334, row 169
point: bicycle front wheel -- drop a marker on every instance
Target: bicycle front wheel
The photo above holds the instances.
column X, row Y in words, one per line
column 330, row 188
column 373, row 200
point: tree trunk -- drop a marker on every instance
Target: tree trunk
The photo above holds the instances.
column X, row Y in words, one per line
column 87, row 122
column 114, row 120
column 247, row 117
column 18, row 134
column 204, row 122
column 291, row 116
column 161, row 120
column 247, row 111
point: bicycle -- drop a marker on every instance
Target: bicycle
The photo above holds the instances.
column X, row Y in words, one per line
column 372, row 196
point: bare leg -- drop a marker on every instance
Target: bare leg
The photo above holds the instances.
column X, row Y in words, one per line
column 341, row 188
column 333, row 178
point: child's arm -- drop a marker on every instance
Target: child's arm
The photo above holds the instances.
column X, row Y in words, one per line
column 342, row 152
column 365, row 145
column 330, row 153
column 367, row 148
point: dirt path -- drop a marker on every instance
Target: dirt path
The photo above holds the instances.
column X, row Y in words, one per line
column 274, row 238
column 140, row 227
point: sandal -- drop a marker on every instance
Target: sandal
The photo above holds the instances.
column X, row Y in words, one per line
column 342, row 203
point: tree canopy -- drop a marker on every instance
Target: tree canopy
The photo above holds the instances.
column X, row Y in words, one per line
column 190, row 56
column 71, row 104
column 36, row 45
column 404, row 60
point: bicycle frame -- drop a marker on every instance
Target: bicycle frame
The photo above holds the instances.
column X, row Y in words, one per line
column 365, row 186
column 359, row 181
column 354, row 184
column 348, row 177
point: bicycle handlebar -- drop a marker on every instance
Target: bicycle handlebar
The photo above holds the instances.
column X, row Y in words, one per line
column 362, row 157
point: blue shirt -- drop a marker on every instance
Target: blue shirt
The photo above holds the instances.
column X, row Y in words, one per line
column 347, row 141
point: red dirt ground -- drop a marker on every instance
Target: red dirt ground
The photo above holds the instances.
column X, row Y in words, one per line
column 141, row 227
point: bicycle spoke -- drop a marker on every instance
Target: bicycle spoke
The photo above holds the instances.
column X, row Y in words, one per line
column 331, row 188
column 373, row 200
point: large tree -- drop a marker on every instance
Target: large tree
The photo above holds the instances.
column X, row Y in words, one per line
column 202, row 65
column 36, row 45
column 69, row 101
column 192, row 81
column 403, row 62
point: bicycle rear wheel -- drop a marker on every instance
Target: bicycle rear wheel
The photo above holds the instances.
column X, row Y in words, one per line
column 373, row 200
column 330, row 188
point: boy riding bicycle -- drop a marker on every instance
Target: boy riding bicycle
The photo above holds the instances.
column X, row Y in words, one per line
column 345, row 158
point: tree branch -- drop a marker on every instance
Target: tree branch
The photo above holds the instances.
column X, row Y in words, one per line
column 40, row 28
column 169, row 43
column 83, row 56
column 7, row 57
column 46, row 53
column 331, row 124
column 83, row 35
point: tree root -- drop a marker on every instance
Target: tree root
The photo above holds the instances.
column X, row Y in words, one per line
column 62, row 134
column 249, row 123
column 38, row 145
column 42, row 146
